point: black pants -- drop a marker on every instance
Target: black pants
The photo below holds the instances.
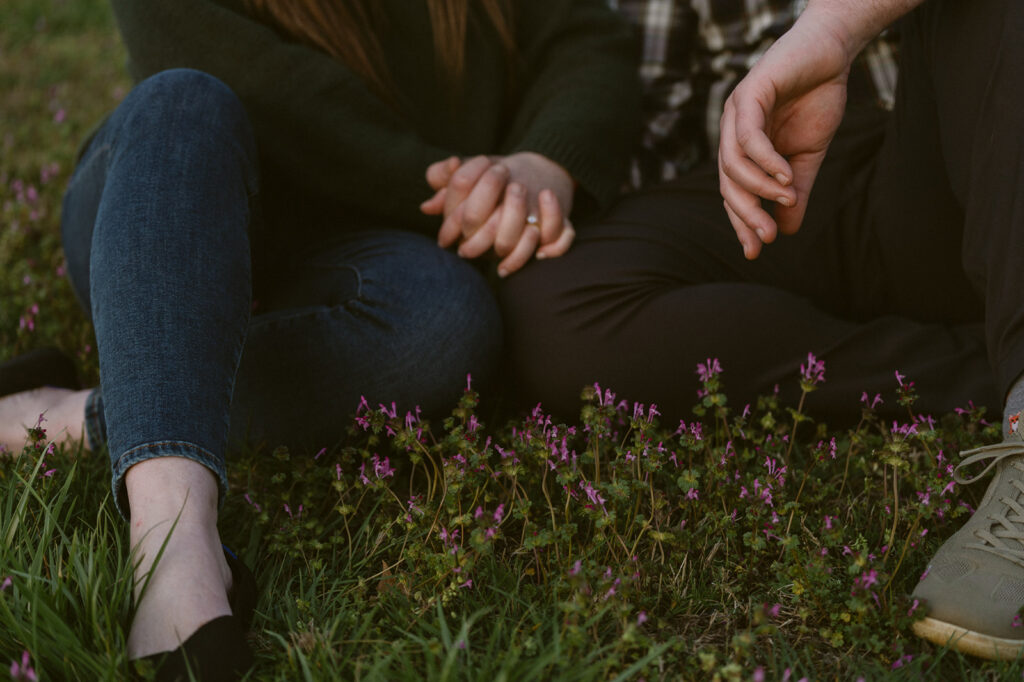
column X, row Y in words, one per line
column 910, row 259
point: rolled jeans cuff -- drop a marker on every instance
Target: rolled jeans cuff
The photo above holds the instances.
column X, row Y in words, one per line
column 166, row 448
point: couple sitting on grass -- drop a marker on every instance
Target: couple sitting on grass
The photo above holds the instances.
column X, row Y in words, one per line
column 303, row 203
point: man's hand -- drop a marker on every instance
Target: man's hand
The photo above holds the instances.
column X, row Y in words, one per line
column 776, row 127
column 780, row 119
column 512, row 204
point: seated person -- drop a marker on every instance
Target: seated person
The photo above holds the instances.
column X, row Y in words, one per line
column 904, row 256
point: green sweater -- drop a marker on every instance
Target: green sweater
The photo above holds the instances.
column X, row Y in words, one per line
column 326, row 141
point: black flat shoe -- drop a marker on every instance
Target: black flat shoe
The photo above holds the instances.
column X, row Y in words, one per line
column 242, row 596
column 216, row 651
column 35, row 369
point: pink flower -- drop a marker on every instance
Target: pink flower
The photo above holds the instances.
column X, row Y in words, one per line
column 901, row 661
column 813, row 372
column 871, row 403
column 23, row 672
column 709, row 369
column 382, row 467
column 6, row 583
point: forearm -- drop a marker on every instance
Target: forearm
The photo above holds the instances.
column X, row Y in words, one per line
column 854, row 23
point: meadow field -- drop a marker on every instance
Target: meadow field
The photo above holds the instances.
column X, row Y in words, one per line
column 748, row 543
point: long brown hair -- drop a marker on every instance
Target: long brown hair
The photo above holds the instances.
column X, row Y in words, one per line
column 347, row 30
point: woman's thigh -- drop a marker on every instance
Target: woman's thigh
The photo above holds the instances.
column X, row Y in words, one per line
column 383, row 315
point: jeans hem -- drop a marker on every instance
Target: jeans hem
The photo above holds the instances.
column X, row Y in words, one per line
column 95, row 433
column 164, row 448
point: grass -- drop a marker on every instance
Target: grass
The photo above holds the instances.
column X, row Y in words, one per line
column 753, row 546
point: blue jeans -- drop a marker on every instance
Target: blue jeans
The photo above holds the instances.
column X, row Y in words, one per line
column 161, row 227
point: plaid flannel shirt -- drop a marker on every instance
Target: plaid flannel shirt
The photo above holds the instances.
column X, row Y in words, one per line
column 694, row 54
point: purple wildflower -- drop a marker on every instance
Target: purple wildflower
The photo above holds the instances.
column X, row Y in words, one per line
column 709, row 369
column 813, row 373
column 24, row 671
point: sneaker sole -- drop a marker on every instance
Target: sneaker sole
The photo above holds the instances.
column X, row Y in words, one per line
column 968, row 641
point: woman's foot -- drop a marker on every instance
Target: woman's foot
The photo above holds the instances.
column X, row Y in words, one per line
column 60, row 411
column 190, row 583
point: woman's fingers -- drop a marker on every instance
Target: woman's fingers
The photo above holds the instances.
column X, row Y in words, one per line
column 522, row 252
column 560, row 245
column 439, row 173
column 463, row 181
column 551, row 219
column 484, row 199
column 450, row 228
column 513, row 219
column 464, row 217
column 483, row 239
column 435, row 204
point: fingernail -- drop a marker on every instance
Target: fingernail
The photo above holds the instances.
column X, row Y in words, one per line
column 760, row 233
column 541, row 256
column 783, row 180
column 784, row 201
column 502, row 272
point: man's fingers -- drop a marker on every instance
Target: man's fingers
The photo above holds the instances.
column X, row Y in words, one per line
column 735, row 161
column 435, row 204
column 748, row 127
column 748, row 240
column 560, row 245
column 746, row 207
column 482, row 240
column 521, row 254
column 463, row 181
column 513, row 219
column 439, row 173
column 805, row 169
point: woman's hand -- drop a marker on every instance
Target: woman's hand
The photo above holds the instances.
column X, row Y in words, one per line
column 513, row 204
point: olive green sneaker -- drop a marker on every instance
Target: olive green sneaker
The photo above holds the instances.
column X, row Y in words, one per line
column 973, row 588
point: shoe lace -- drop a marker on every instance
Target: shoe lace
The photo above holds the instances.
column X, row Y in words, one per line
column 1007, row 518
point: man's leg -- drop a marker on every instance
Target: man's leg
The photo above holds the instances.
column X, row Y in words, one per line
column 661, row 284
column 956, row 144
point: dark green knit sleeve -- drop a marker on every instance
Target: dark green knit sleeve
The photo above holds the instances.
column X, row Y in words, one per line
column 580, row 104
column 316, row 121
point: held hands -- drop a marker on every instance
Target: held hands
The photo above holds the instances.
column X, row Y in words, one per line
column 777, row 126
column 516, row 205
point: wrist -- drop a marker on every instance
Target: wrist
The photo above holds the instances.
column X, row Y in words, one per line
column 852, row 24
